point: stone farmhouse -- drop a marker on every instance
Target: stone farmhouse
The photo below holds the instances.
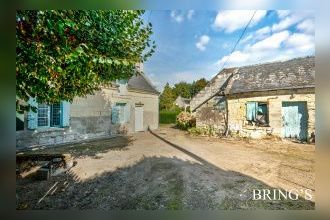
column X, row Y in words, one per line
column 266, row 99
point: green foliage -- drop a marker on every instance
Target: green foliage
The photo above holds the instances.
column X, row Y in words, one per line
column 167, row 98
column 185, row 120
column 197, row 86
column 168, row 117
column 67, row 53
column 182, row 89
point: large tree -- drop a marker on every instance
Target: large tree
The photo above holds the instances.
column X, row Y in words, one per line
column 197, row 86
column 167, row 98
column 182, row 89
column 66, row 53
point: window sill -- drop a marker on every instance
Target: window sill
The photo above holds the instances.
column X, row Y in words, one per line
column 48, row 129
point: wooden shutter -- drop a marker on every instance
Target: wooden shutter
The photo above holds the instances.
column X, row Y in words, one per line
column 115, row 114
column 251, row 111
column 32, row 117
column 127, row 113
column 65, row 114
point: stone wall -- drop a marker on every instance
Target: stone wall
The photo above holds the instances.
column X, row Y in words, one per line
column 237, row 111
column 213, row 115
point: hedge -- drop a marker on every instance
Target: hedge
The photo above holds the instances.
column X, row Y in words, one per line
column 168, row 117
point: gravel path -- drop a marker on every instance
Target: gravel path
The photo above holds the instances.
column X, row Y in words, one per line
column 188, row 173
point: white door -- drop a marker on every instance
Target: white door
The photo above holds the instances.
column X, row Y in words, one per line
column 139, row 118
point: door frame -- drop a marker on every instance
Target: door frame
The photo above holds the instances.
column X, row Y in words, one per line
column 135, row 118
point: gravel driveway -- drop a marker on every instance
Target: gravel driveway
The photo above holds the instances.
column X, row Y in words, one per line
column 184, row 173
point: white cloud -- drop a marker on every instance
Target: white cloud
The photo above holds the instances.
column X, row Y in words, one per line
column 257, row 35
column 263, row 31
column 176, row 16
column 235, row 58
column 190, row 14
column 272, row 42
column 289, row 18
column 282, row 13
column 248, row 4
column 307, row 26
column 180, row 16
column 230, row 21
column 302, row 42
column 278, row 46
column 203, row 41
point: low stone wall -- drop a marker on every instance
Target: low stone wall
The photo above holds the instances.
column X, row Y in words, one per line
column 53, row 136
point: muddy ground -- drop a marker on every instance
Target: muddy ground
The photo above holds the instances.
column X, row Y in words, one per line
column 144, row 172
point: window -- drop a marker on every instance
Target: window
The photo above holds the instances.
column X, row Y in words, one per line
column 120, row 113
column 55, row 112
column 49, row 115
column 43, row 115
column 220, row 103
column 257, row 112
column 54, row 115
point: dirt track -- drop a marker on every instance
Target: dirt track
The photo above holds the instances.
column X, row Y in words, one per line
column 194, row 173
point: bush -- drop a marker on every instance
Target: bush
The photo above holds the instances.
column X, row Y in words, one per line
column 185, row 120
column 204, row 131
column 167, row 117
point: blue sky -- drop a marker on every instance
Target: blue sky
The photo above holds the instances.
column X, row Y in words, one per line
column 192, row 44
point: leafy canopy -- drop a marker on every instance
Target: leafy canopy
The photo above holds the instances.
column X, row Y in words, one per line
column 67, row 53
column 183, row 89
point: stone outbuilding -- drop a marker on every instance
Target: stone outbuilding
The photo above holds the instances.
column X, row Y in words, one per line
column 122, row 107
column 266, row 99
column 182, row 103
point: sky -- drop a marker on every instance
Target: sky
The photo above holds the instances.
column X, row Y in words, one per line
column 192, row 44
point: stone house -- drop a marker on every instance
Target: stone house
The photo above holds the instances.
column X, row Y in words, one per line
column 182, row 103
column 125, row 106
column 266, row 99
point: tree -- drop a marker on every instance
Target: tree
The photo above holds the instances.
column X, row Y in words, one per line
column 197, row 86
column 182, row 89
column 167, row 98
column 67, row 53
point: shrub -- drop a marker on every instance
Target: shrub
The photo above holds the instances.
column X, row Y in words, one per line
column 204, row 131
column 185, row 120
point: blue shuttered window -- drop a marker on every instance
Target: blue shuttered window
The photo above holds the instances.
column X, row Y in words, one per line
column 32, row 117
column 120, row 113
column 251, row 111
column 257, row 112
column 115, row 115
column 54, row 115
column 127, row 113
column 65, row 114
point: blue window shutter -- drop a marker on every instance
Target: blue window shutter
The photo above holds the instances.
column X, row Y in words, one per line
column 32, row 117
column 251, row 111
column 115, row 115
column 127, row 113
column 65, row 114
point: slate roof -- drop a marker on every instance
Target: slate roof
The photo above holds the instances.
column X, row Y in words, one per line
column 184, row 100
column 140, row 82
column 291, row 74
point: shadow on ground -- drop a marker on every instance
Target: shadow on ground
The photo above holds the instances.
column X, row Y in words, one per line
column 152, row 183
column 88, row 148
